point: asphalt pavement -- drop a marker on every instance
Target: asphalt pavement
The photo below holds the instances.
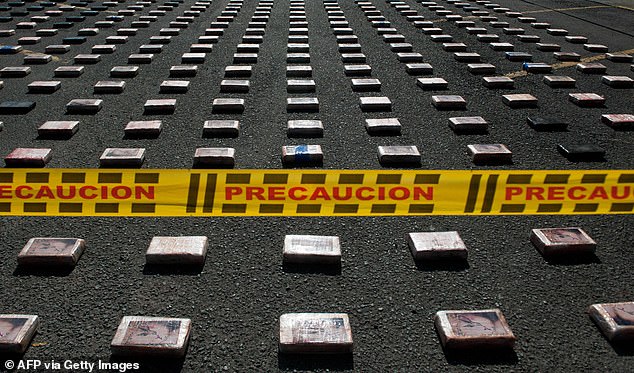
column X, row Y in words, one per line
column 235, row 301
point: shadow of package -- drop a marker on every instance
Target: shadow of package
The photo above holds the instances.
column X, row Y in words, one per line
column 473, row 329
column 315, row 333
column 151, row 336
column 615, row 320
column 16, row 332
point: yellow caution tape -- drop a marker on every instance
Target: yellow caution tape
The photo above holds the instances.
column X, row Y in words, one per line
column 101, row 192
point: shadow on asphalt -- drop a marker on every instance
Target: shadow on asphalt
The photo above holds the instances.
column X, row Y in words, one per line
column 150, row 365
column 571, row 260
column 442, row 265
column 9, row 356
column 480, row 356
column 172, row 269
column 128, row 136
column 623, row 348
column 304, row 165
column 588, row 160
column 214, row 167
column 493, row 162
column 53, row 137
column 472, row 132
column 42, row 271
column 331, row 270
column 336, row 362
column 402, row 165
column 624, row 129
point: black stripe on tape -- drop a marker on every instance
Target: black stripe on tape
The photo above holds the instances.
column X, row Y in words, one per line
column 74, row 177
column 512, row 207
column 388, row 178
column 474, row 187
column 144, row 178
column 275, row 178
column 556, row 179
column 308, row 209
column 383, row 209
column 210, row 193
column 351, row 178
column 143, row 208
column 6, row 177
column 489, row 193
column 622, row 207
column 68, row 207
column 586, row 207
column 426, row 208
column 519, row 179
column 35, row 207
column 234, row 208
column 549, row 207
column 106, row 208
column 109, row 177
column 238, row 179
column 37, row 177
column 270, row 208
column 192, row 193
column 427, row 179
column 313, row 179
column 626, row 178
column 593, row 179
column 346, row 208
